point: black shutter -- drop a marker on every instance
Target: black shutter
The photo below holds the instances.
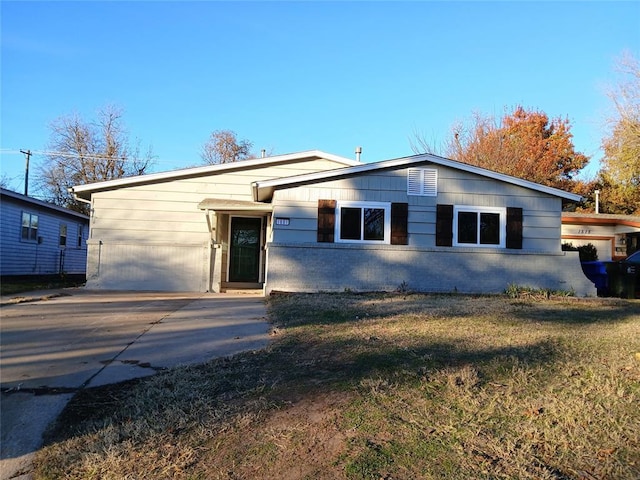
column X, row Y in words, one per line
column 326, row 220
column 399, row 215
column 514, row 228
column 444, row 225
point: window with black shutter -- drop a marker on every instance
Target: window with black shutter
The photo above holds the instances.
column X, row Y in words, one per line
column 362, row 222
column 326, row 220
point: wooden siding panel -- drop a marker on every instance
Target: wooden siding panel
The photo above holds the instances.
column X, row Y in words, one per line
column 541, row 211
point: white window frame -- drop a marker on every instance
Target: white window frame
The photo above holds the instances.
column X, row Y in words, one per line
column 503, row 226
column 357, row 204
column 31, row 228
column 422, row 182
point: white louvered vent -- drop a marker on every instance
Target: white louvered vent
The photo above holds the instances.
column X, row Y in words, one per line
column 422, row 181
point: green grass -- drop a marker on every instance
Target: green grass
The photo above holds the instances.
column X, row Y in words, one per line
column 370, row 386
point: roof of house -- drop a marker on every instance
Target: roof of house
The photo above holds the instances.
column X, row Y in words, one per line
column 263, row 190
column 85, row 191
column 41, row 204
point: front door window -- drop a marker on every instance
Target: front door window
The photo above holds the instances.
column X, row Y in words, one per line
column 245, row 249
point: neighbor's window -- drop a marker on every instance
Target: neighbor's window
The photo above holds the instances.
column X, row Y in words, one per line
column 63, row 234
column 29, row 226
column 479, row 226
column 366, row 222
column 80, row 232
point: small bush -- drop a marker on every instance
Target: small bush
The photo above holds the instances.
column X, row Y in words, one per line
column 587, row 253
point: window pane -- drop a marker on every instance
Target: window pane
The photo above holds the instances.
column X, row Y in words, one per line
column 63, row 235
column 374, row 224
column 350, row 223
column 34, row 227
column 467, row 227
column 490, row 228
column 26, row 222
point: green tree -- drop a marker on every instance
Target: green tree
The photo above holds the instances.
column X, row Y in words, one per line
column 82, row 152
column 523, row 143
column 620, row 172
column 223, row 146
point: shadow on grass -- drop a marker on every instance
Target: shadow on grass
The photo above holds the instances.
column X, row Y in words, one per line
column 334, row 343
column 298, row 365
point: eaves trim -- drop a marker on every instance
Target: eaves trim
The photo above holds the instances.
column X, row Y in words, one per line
column 84, row 191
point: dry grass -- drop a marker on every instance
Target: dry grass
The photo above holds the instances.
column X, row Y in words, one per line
column 382, row 386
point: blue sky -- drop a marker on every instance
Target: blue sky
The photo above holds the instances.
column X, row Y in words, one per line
column 292, row 76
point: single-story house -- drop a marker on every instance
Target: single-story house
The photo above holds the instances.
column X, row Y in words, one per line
column 614, row 236
column 39, row 238
column 312, row 221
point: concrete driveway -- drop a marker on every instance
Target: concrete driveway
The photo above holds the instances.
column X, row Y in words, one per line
column 71, row 339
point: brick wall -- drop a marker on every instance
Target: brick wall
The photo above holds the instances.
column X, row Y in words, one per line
column 316, row 267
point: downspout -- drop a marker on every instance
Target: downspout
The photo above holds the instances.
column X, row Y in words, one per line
column 76, row 197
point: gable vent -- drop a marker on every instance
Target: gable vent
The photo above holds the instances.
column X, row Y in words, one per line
column 422, row 181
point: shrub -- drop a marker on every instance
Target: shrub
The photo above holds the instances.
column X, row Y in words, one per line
column 587, row 253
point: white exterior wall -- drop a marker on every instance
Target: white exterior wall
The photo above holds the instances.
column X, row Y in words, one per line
column 296, row 262
column 541, row 212
column 154, row 236
column 46, row 257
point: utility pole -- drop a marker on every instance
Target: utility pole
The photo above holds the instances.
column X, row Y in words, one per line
column 26, row 172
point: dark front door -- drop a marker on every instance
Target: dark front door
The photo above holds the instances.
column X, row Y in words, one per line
column 244, row 250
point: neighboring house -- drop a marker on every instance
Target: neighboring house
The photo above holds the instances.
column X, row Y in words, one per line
column 313, row 221
column 39, row 238
column 614, row 236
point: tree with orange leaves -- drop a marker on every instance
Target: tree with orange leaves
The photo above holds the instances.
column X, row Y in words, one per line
column 524, row 144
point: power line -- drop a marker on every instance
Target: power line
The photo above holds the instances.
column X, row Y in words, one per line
column 61, row 154
column 44, row 153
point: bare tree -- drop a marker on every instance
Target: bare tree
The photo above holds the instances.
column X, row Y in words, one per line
column 223, row 146
column 85, row 152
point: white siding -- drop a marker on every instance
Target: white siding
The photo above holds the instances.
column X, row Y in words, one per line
column 541, row 212
column 154, row 236
column 162, row 267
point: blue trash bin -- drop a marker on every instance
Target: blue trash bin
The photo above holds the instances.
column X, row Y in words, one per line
column 597, row 273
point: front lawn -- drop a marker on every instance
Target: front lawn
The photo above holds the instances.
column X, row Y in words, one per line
column 381, row 386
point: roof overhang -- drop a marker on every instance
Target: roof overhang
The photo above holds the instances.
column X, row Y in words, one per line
column 600, row 219
column 42, row 204
column 223, row 205
column 263, row 190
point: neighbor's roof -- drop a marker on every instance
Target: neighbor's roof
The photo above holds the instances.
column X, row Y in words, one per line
column 42, row 204
column 85, row 191
column 263, row 190
column 600, row 219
